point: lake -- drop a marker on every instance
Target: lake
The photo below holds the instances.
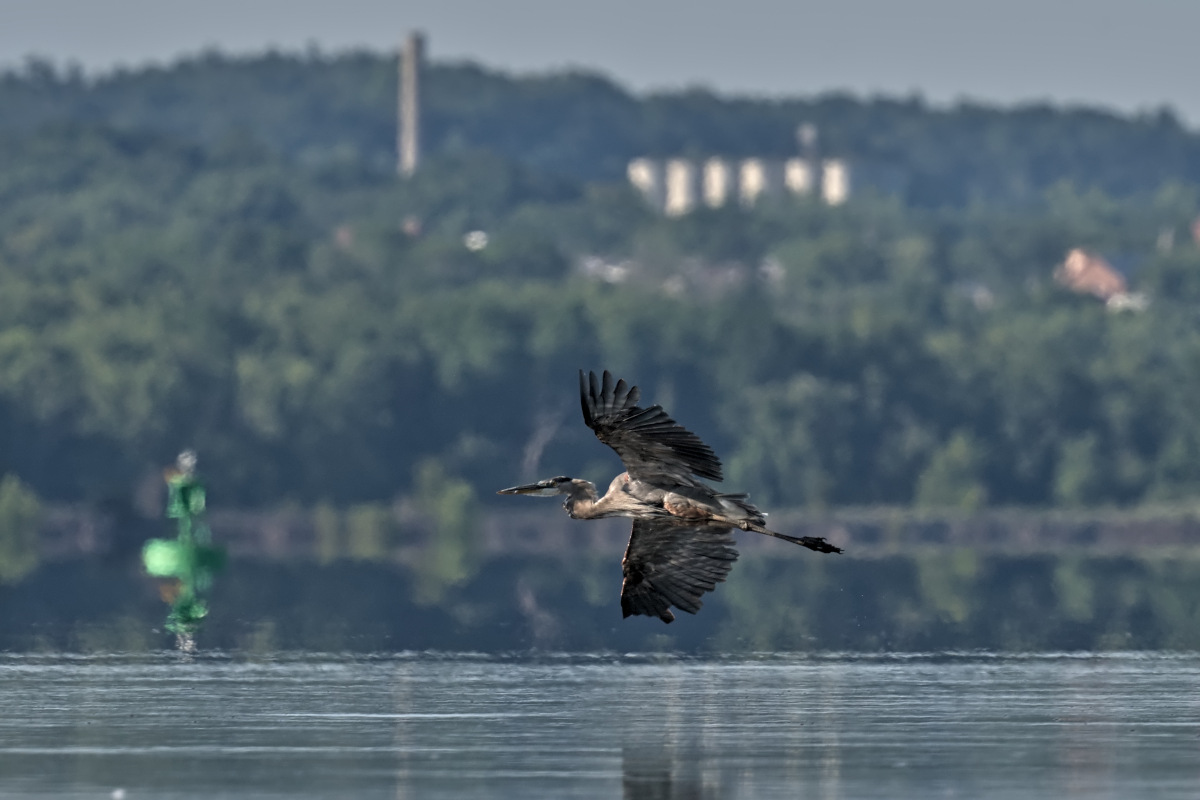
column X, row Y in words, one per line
column 605, row 726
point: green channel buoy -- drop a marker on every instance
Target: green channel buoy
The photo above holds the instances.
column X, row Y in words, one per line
column 190, row 560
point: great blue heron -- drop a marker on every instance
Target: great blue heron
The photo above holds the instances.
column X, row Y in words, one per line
column 682, row 542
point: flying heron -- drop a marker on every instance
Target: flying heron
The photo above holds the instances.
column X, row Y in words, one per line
column 682, row 543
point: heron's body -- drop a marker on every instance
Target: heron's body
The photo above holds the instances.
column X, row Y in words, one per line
column 681, row 544
column 629, row 497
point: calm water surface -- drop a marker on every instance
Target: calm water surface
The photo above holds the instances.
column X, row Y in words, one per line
column 608, row 727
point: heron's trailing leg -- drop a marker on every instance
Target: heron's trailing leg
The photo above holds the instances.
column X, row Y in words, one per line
column 811, row 542
column 817, row 543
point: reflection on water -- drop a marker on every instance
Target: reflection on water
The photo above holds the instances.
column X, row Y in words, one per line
column 601, row 726
column 654, row 772
column 924, row 601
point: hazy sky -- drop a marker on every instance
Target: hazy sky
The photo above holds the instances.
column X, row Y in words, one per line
column 1124, row 55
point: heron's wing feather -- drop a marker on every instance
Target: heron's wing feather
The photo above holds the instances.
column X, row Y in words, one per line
column 670, row 563
column 652, row 446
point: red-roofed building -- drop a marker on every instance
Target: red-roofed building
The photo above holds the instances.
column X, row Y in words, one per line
column 1088, row 273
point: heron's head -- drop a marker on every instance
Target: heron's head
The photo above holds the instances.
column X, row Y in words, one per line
column 547, row 488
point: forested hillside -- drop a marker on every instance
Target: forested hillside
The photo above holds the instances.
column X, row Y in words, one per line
column 218, row 255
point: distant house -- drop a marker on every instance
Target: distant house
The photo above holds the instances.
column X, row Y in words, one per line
column 1088, row 273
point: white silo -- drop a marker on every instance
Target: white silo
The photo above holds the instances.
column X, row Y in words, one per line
column 759, row 177
column 836, row 184
column 720, row 182
column 646, row 175
column 682, row 187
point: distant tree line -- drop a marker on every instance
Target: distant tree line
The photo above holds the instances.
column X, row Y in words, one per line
column 340, row 109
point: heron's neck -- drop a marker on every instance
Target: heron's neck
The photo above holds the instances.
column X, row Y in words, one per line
column 581, row 500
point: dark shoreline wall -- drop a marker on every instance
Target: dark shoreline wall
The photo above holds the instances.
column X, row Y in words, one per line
column 70, row 532
column 778, row 599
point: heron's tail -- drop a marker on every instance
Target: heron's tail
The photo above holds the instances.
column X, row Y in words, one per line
column 738, row 507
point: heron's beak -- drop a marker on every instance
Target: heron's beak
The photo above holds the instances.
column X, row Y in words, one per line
column 541, row 488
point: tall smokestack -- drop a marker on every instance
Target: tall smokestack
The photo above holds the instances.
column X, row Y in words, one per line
column 408, row 137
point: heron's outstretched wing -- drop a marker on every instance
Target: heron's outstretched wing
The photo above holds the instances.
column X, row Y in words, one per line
column 651, row 444
column 670, row 563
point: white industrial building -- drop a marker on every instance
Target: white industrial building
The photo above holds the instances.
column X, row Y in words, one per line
column 677, row 186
